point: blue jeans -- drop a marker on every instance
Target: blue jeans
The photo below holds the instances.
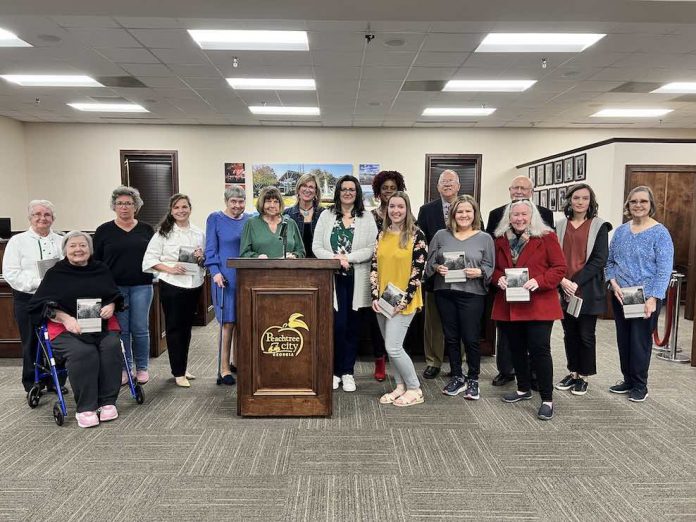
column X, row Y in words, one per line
column 134, row 322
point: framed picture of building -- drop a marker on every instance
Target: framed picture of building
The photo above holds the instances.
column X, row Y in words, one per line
column 568, row 173
column 581, row 167
column 467, row 167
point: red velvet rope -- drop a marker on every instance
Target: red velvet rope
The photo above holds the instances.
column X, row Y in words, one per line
column 669, row 320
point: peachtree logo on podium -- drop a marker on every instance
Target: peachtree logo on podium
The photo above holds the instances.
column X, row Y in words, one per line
column 286, row 340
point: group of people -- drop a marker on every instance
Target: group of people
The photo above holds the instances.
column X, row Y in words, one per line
column 385, row 247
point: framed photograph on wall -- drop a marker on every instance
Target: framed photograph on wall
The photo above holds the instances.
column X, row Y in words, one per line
column 467, row 167
column 581, row 167
column 543, row 198
column 540, row 176
column 552, row 199
column 561, row 198
column 558, row 172
column 568, row 173
column 535, row 197
column 532, row 174
column 548, row 174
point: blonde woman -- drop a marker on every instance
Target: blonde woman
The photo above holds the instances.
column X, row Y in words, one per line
column 306, row 211
column 399, row 259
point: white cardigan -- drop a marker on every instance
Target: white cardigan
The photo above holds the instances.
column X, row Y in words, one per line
column 364, row 238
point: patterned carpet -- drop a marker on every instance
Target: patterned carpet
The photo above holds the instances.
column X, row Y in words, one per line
column 185, row 454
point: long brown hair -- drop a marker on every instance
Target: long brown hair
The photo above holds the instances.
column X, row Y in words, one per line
column 409, row 226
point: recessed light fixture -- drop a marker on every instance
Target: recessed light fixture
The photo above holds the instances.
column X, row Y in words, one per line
column 51, row 80
column 272, row 84
column 108, row 107
column 457, row 111
column 677, row 88
column 631, row 113
column 8, row 39
column 241, row 40
column 284, row 111
column 537, row 42
column 488, row 85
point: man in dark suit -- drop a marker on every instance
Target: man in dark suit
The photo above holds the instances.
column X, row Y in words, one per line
column 520, row 188
column 431, row 218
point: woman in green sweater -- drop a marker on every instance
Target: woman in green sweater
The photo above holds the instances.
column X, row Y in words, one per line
column 262, row 236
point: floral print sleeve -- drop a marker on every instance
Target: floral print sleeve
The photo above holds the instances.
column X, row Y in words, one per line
column 374, row 277
column 418, row 259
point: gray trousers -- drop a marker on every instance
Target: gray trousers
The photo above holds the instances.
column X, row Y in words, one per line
column 94, row 365
column 394, row 331
column 433, row 338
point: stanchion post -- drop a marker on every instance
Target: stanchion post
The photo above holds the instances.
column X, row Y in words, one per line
column 671, row 354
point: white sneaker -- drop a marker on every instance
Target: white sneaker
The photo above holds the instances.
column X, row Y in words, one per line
column 336, row 382
column 348, row 383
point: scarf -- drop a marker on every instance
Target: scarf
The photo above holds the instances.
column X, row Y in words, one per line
column 517, row 243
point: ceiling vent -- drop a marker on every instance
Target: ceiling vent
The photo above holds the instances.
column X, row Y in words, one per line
column 424, row 86
column 120, row 81
column 637, row 87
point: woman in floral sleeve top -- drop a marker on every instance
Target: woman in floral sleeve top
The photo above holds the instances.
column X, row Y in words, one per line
column 399, row 259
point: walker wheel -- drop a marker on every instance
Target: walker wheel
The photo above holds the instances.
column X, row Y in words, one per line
column 58, row 414
column 139, row 394
column 33, row 397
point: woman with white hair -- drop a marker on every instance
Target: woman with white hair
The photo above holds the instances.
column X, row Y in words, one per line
column 121, row 245
column 223, row 234
column 27, row 255
column 93, row 359
column 524, row 241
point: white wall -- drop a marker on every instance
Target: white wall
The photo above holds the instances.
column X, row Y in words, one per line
column 77, row 165
column 13, row 183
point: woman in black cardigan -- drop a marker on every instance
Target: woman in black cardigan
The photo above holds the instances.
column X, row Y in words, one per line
column 584, row 238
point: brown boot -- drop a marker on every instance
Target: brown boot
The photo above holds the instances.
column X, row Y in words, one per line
column 380, row 368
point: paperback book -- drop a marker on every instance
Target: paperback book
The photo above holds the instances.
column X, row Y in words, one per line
column 188, row 260
column 390, row 299
column 88, row 315
column 574, row 305
column 456, row 264
column 42, row 266
column 516, row 278
column 633, row 302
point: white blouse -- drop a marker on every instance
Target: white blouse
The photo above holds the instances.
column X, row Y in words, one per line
column 166, row 250
column 22, row 252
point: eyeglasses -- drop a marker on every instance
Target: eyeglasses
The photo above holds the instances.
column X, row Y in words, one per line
column 124, row 204
column 40, row 215
column 636, row 202
column 348, row 191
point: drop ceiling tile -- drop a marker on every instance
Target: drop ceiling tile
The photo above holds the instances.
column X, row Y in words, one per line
column 85, row 21
column 331, row 26
column 331, row 73
column 386, row 58
column 142, row 70
column 463, row 43
column 431, row 73
column 206, row 83
column 132, row 22
column 104, row 37
column 336, row 59
column 127, row 55
column 196, row 71
column 168, row 82
column 181, row 56
column 164, row 38
column 385, row 73
column 336, row 41
column 439, row 59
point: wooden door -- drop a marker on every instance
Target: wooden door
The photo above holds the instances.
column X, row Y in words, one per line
column 673, row 186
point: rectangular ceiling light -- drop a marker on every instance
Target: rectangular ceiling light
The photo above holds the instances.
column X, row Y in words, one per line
column 284, row 111
column 8, row 39
column 488, row 85
column 240, row 40
column 677, row 88
column 631, row 113
column 457, row 111
column 537, row 42
column 51, row 80
column 108, row 107
column 272, row 84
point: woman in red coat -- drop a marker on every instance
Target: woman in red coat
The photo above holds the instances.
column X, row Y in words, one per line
column 524, row 241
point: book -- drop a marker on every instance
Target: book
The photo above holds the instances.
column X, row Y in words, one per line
column 574, row 305
column 42, row 265
column 455, row 263
column 633, row 302
column 516, row 278
column 390, row 299
column 188, row 260
column 88, row 315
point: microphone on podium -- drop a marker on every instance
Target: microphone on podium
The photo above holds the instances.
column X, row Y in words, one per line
column 283, row 234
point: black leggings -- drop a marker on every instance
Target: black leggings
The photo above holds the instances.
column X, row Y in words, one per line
column 533, row 337
column 179, row 305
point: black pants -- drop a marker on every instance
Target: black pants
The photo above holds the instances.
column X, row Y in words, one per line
column 634, row 338
column 533, row 338
column 461, row 314
column 503, row 357
column 580, row 343
column 376, row 335
column 346, row 327
column 179, row 305
column 27, row 334
column 94, row 367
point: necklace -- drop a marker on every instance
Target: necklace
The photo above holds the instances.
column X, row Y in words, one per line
column 304, row 212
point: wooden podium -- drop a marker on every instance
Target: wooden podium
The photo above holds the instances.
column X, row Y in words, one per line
column 285, row 339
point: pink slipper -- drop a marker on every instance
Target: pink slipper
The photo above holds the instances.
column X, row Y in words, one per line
column 87, row 419
column 108, row 413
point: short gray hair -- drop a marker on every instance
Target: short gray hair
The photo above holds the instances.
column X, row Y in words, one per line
column 235, row 191
column 77, row 233
column 447, row 171
column 123, row 190
column 537, row 227
column 40, row 203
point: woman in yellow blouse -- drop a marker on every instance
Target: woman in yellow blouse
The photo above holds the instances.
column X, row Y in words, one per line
column 399, row 259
